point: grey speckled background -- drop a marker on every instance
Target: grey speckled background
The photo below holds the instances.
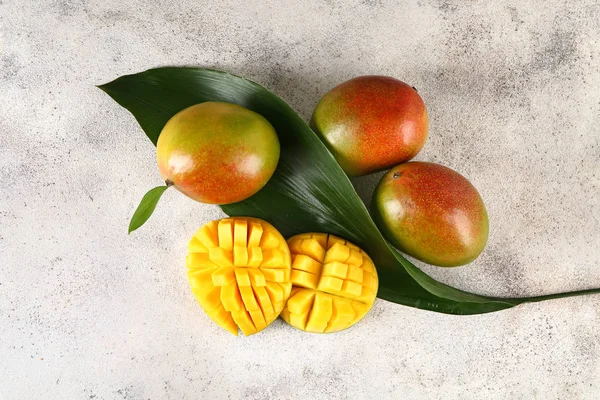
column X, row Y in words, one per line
column 87, row 312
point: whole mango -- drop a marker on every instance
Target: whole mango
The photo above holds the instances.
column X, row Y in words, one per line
column 371, row 123
column 217, row 153
column 431, row 213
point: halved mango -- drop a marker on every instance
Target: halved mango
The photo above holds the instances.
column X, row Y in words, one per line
column 334, row 283
column 239, row 271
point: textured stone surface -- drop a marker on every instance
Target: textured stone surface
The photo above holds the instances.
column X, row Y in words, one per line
column 87, row 312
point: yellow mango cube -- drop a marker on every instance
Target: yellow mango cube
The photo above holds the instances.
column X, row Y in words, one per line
column 244, row 321
column 240, row 256
column 207, row 235
column 355, row 274
column 231, row 298
column 270, row 239
column 330, row 284
column 335, row 269
column 240, row 233
column 332, row 240
column 256, row 231
column 196, row 246
column 276, row 292
column 263, row 299
column 335, row 326
column 273, row 258
column 352, row 246
column 338, row 252
column 201, row 279
column 301, row 301
column 369, row 280
column 313, row 249
column 320, row 313
column 342, row 310
column 224, row 319
column 302, row 262
column 255, row 257
column 295, row 245
column 355, row 258
column 223, row 276
column 321, row 238
column 360, row 309
column 199, row 261
column 257, row 278
column 304, row 279
column 242, row 277
column 352, row 289
column 258, row 319
column 248, row 298
column 276, row 275
column 297, row 320
column 367, row 295
column 210, row 299
column 226, row 234
column 368, row 265
column 221, row 257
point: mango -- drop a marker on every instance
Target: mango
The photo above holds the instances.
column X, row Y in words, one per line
column 432, row 213
column 371, row 123
column 239, row 271
column 334, row 283
column 217, row 153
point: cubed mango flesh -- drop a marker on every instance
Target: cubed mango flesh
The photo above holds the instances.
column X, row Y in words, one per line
column 239, row 271
column 334, row 283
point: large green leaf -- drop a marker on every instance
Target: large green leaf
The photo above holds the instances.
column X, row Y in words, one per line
column 309, row 192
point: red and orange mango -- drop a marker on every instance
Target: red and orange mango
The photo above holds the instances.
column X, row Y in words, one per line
column 371, row 123
column 431, row 213
column 217, row 153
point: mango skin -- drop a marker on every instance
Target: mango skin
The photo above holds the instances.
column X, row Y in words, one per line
column 217, row 153
column 371, row 123
column 432, row 213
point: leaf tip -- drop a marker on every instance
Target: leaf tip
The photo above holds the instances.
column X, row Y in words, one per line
column 103, row 87
column 132, row 226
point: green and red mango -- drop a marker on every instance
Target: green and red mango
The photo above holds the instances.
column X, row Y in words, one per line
column 431, row 213
column 217, row 153
column 371, row 123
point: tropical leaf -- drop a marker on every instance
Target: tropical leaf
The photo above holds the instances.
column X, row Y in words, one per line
column 309, row 192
